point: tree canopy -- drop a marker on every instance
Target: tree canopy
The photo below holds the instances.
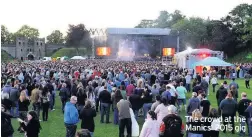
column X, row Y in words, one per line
column 78, row 36
column 56, row 37
column 232, row 33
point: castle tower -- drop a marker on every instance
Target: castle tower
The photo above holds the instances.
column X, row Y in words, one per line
column 39, row 48
column 21, row 48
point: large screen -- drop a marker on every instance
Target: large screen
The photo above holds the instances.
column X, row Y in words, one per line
column 103, row 51
column 168, row 51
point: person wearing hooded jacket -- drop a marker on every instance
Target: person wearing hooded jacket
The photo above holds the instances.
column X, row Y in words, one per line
column 221, row 94
column 194, row 103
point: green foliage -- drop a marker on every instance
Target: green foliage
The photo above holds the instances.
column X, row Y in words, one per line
column 6, row 36
column 70, row 52
column 5, row 56
column 244, row 57
column 28, row 32
column 78, row 36
column 232, row 34
column 56, row 37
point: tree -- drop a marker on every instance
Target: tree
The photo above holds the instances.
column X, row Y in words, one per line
column 28, row 32
column 56, row 37
column 145, row 24
column 5, row 35
column 163, row 20
column 78, row 36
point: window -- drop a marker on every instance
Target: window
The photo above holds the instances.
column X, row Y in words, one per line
column 21, row 50
column 37, row 43
column 19, row 43
column 27, row 49
column 30, row 49
column 41, row 44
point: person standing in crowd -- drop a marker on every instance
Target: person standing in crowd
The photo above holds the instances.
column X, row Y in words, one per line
column 204, row 105
column 214, row 82
column 233, row 83
column 234, row 92
column 225, row 85
column 194, row 103
column 116, row 97
column 228, row 109
column 7, row 87
column 166, row 94
column 123, row 91
column 81, row 97
column 181, row 90
column 23, row 104
column 213, row 122
column 151, row 126
column 64, row 92
column 71, row 117
column 197, row 88
column 195, row 121
column 124, row 117
column 204, row 86
column 162, row 110
column 171, row 125
column 87, row 115
column 221, row 95
column 96, row 90
column 247, row 77
column 105, row 99
column 242, row 106
column 249, row 112
column 36, row 100
column 45, row 97
column 6, row 126
column 130, row 89
column 188, row 82
column 147, row 100
column 173, row 93
column 136, row 103
column 156, row 103
column 52, row 97
column 6, row 102
column 14, row 95
column 32, row 127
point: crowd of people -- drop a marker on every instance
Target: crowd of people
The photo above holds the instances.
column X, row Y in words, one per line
column 131, row 89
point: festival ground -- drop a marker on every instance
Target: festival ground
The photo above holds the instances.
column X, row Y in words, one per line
column 54, row 127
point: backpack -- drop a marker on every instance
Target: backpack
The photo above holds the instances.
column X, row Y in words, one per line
column 171, row 126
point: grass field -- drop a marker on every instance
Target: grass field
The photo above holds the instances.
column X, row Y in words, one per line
column 54, row 127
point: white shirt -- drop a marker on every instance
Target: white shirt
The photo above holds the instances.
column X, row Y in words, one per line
column 173, row 90
column 214, row 80
column 207, row 78
column 188, row 79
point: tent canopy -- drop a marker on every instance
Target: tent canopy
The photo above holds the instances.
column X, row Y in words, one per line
column 212, row 61
column 78, row 57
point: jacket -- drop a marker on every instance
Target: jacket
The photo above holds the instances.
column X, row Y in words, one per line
column 150, row 128
column 32, row 129
column 242, row 106
column 105, row 97
column 6, row 127
column 14, row 94
column 71, row 115
column 228, row 107
column 194, row 103
column 7, row 89
column 135, row 101
column 221, row 94
column 87, row 116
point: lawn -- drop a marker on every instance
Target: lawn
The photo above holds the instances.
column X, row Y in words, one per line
column 54, row 127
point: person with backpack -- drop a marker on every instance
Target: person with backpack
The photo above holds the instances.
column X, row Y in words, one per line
column 171, row 125
column 242, row 106
column 194, row 103
column 151, row 126
column 63, row 95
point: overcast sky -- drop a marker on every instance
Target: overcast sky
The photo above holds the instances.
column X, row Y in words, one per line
column 48, row 15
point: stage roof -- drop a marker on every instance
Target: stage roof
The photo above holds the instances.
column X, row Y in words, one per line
column 138, row 31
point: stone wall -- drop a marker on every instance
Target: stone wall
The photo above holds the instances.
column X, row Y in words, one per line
column 10, row 49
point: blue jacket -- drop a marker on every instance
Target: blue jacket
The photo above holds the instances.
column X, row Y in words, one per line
column 167, row 95
column 7, row 89
column 71, row 115
column 121, row 76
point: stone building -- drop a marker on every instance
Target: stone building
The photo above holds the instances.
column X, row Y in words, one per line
column 25, row 49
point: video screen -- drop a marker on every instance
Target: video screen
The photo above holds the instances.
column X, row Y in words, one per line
column 103, row 51
column 168, row 51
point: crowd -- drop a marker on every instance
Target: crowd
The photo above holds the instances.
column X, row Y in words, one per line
column 131, row 89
